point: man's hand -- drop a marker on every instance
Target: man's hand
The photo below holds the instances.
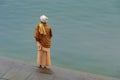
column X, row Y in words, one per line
column 39, row 45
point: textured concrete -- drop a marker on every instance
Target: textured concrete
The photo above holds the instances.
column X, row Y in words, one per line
column 15, row 70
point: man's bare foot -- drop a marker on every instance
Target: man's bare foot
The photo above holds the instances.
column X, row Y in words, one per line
column 40, row 66
column 45, row 67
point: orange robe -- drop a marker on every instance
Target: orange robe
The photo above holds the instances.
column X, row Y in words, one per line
column 44, row 44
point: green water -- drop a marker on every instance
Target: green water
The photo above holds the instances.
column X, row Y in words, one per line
column 86, row 33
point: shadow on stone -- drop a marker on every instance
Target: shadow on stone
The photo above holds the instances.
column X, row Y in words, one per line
column 45, row 70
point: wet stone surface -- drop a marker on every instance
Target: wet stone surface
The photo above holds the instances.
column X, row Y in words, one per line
column 15, row 70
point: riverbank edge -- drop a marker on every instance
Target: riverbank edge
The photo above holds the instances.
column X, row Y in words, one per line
column 58, row 73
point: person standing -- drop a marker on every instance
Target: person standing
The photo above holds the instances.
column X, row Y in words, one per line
column 43, row 36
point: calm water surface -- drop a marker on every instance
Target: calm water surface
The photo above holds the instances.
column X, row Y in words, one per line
column 86, row 33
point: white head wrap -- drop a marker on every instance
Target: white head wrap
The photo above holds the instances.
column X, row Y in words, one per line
column 43, row 18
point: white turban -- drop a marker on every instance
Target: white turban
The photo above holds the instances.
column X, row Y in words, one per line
column 43, row 18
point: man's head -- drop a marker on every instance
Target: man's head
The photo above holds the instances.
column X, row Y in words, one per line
column 43, row 18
